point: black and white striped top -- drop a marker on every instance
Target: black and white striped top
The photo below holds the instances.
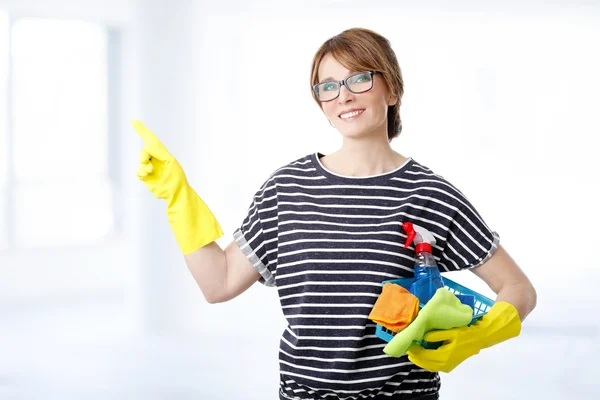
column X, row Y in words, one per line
column 326, row 242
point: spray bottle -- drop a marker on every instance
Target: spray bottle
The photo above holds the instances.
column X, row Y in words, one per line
column 427, row 275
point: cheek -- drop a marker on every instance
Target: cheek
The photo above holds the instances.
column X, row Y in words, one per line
column 378, row 110
column 382, row 108
column 377, row 104
column 328, row 110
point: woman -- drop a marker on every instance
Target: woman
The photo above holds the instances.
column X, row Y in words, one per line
column 325, row 230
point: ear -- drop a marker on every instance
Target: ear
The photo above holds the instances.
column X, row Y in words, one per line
column 392, row 100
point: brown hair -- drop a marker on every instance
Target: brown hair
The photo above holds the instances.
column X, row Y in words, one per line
column 360, row 49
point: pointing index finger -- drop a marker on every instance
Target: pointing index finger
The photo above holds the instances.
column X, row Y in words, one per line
column 145, row 133
column 151, row 143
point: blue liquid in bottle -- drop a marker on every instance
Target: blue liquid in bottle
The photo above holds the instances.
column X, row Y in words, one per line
column 427, row 277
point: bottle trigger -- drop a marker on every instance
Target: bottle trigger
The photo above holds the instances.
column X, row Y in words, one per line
column 410, row 233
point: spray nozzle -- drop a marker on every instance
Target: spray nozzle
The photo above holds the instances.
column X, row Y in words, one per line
column 417, row 233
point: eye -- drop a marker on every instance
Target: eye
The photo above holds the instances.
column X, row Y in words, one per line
column 363, row 78
column 329, row 86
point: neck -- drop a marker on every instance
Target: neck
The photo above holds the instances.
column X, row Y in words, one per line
column 363, row 157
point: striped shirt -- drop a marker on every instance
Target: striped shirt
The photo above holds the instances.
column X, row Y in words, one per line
column 326, row 242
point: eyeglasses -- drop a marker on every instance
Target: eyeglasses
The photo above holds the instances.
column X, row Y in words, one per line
column 357, row 83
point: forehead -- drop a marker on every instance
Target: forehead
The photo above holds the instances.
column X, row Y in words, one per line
column 331, row 68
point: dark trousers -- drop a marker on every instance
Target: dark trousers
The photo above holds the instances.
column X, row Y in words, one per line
column 430, row 396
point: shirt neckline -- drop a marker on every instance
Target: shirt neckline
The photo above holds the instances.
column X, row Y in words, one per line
column 371, row 179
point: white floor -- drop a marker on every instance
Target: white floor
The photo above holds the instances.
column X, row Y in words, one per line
column 80, row 352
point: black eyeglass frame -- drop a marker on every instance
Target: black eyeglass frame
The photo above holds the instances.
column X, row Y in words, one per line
column 344, row 82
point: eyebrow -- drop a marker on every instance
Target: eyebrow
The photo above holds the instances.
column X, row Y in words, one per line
column 329, row 78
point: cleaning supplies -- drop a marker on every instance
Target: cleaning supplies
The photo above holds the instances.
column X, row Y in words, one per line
column 443, row 311
column 427, row 275
column 395, row 308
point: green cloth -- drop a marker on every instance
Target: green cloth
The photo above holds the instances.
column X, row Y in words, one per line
column 443, row 311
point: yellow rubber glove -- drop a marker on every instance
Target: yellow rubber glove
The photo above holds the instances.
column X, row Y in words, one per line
column 501, row 323
column 192, row 222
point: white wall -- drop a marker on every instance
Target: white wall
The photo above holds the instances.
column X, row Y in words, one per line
column 107, row 11
column 500, row 101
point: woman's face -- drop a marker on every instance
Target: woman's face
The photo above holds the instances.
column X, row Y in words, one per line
column 371, row 106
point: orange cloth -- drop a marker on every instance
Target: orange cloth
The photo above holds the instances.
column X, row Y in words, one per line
column 395, row 308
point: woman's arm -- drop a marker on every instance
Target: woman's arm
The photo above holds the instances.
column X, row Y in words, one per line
column 221, row 275
column 508, row 281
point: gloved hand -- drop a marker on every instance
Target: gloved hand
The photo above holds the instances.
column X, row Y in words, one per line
column 502, row 322
column 192, row 222
column 443, row 311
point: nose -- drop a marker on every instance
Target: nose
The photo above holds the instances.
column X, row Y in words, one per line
column 345, row 95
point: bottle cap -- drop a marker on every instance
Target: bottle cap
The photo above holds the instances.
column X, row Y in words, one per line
column 423, row 247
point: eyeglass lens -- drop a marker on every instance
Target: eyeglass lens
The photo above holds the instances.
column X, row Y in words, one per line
column 356, row 83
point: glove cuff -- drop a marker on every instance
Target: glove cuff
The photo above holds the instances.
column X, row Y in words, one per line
column 502, row 322
column 192, row 222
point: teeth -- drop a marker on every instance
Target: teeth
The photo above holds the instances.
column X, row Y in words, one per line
column 351, row 114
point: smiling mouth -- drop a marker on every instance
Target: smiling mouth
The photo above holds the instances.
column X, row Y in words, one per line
column 351, row 115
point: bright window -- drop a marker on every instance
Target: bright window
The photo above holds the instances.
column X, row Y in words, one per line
column 3, row 129
column 61, row 194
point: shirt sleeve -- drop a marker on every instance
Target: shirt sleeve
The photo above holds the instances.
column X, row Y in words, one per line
column 257, row 236
column 469, row 240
